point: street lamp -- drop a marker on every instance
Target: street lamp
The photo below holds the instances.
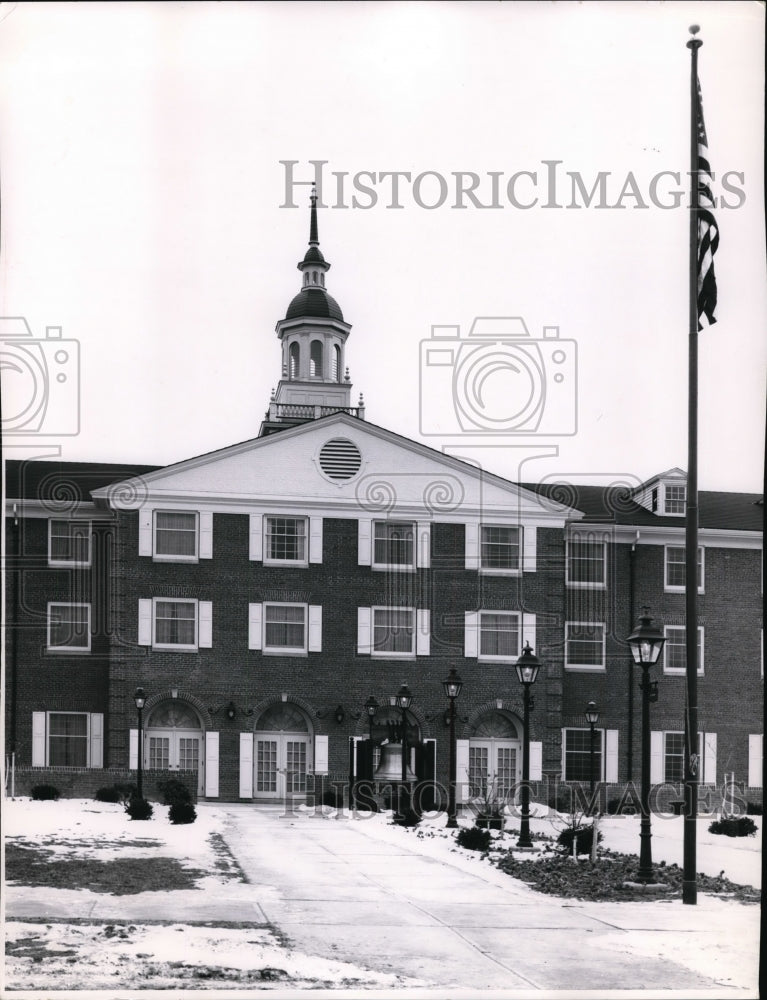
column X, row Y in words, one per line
column 592, row 717
column 139, row 697
column 646, row 645
column 527, row 667
column 404, row 700
column 452, row 685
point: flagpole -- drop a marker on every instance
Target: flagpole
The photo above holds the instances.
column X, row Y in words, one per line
column 691, row 762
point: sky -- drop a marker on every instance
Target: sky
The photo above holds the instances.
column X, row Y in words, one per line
column 147, row 211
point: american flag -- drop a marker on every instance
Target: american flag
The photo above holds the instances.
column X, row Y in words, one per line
column 708, row 231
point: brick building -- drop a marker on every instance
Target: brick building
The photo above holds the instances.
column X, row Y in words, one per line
column 262, row 593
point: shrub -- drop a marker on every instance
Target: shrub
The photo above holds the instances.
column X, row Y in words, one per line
column 108, row 794
column 173, row 790
column 125, row 790
column 474, row 839
column 139, row 808
column 583, row 837
column 45, row 793
column 753, row 808
column 741, row 826
column 333, row 797
column 409, row 818
column 182, row 812
column 492, row 821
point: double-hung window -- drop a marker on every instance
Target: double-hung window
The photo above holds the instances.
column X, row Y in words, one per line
column 676, row 568
column 586, row 562
column 394, row 544
column 393, row 631
column 175, row 624
column 68, row 739
column 674, row 499
column 285, row 540
column 69, row 542
column 500, row 549
column 584, row 646
column 577, row 754
column 69, row 627
column 175, row 535
column 284, row 628
column 499, row 635
column 675, row 650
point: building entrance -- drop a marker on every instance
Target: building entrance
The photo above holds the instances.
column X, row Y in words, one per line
column 282, row 752
column 173, row 741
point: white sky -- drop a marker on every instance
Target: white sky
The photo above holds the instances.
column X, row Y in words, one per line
column 142, row 185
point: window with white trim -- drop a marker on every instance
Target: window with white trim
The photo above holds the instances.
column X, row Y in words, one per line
column 584, row 646
column 393, row 632
column 676, row 568
column 674, row 498
column 499, row 635
column 586, row 563
column 577, row 755
column 68, row 734
column 285, row 540
column 394, row 544
column 69, row 542
column 69, row 627
column 675, row 649
column 500, row 549
column 175, row 535
column 175, row 624
column 285, row 628
column 673, row 757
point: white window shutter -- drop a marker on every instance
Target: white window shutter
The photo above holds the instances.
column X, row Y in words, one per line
column 206, row 534
column 422, row 631
column 471, row 633
column 246, row 765
column 145, row 621
column 528, row 630
column 254, row 626
column 133, row 749
column 364, row 631
column 461, row 770
column 97, row 740
column 657, row 770
column 611, row 756
column 256, row 532
column 423, row 551
column 755, row 760
column 315, row 628
column 315, row 539
column 38, row 739
column 144, row 532
column 536, row 760
column 364, row 543
column 472, row 546
column 320, row 754
column 211, row 765
column 205, row 632
column 709, row 758
column 529, row 543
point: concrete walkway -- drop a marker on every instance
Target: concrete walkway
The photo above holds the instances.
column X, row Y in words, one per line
column 339, row 892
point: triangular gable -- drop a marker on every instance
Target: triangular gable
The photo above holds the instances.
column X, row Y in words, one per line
column 395, row 474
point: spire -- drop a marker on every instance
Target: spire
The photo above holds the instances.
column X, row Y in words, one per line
column 314, row 240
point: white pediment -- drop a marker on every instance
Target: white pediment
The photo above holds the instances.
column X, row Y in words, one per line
column 290, row 469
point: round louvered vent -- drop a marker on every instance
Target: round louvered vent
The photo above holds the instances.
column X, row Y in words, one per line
column 340, row 459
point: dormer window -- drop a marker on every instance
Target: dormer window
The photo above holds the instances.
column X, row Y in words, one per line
column 674, row 499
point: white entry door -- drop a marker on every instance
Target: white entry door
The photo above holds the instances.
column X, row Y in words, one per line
column 175, row 750
column 280, row 764
column 494, row 767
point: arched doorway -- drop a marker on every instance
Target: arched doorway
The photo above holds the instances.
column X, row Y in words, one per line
column 283, row 752
column 495, row 756
column 174, row 739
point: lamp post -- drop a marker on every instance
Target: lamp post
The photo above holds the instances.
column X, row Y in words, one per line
column 452, row 685
column 527, row 667
column 646, row 645
column 139, row 697
column 592, row 717
column 404, row 700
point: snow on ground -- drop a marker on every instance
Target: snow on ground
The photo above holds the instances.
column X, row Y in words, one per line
column 83, row 955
